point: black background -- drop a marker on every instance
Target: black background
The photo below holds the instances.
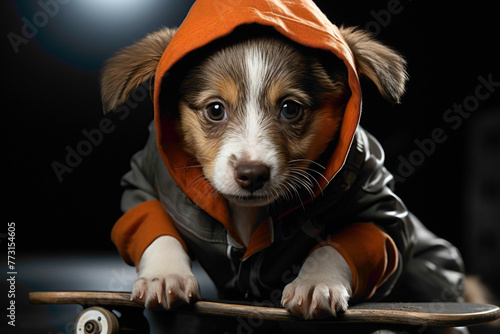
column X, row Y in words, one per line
column 51, row 94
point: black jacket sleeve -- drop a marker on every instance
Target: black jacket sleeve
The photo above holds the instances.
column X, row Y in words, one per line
column 429, row 268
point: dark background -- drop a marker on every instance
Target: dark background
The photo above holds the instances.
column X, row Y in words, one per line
column 51, row 94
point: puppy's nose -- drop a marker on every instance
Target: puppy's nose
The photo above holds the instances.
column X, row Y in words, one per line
column 251, row 176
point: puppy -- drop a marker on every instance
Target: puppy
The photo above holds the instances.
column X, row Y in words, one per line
column 260, row 116
column 252, row 115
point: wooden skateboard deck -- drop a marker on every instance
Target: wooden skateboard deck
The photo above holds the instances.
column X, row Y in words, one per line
column 407, row 314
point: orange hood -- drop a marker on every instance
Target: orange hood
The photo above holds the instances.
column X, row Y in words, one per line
column 300, row 21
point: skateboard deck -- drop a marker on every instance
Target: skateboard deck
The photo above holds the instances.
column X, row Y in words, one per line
column 98, row 318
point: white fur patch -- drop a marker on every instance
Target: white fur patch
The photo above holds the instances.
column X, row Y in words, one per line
column 323, row 286
column 165, row 275
column 250, row 141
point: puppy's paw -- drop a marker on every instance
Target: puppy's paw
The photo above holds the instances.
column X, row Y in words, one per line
column 322, row 288
column 165, row 276
column 310, row 299
column 167, row 291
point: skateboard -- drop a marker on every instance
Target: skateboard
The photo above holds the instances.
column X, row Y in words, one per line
column 114, row 312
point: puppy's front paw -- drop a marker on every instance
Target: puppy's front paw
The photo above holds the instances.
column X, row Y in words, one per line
column 322, row 288
column 310, row 299
column 165, row 291
column 165, row 276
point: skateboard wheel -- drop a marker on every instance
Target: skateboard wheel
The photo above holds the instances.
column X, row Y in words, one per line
column 96, row 320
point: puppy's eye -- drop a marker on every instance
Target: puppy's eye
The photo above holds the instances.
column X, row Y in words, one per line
column 290, row 110
column 215, row 112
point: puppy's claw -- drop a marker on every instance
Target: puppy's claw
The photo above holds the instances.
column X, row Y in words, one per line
column 308, row 300
column 166, row 292
column 138, row 291
column 322, row 288
column 192, row 289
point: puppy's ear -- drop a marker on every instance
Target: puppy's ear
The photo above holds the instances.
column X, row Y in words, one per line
column 132, row 66
column 381, row 64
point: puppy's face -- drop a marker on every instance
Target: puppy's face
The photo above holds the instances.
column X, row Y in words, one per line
column 257, row 115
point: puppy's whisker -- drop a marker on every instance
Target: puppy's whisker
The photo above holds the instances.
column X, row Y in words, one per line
column 187, row 167
column 284, row 193
column 214, row 192
column 302, row 176
column 191, row 162
column 294, row 188
column 209, row 188
column 301, row 182
column 298, row 164
column 287, row 193
column 198, row 179
column 309, row 190
column 308, row 162
column 291, row 187
column 310, row 177
column 319, row 173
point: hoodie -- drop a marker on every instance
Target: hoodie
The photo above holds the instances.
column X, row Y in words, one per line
column 353, row 210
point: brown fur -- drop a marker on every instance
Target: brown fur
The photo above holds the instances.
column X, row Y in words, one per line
column 197, row 142
column 132, row 66
column 381, row 64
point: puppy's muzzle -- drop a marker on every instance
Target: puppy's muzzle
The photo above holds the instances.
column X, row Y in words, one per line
column 251, row 176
